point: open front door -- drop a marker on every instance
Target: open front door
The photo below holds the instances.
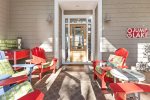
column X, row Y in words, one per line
column 78, row 46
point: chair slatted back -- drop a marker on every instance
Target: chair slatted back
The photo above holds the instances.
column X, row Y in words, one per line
column 123, row 53
column 38, row 55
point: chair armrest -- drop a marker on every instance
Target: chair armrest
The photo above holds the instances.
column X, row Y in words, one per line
column 45, row 65
column 13, row 80
column 31, row 61
column 35, row 95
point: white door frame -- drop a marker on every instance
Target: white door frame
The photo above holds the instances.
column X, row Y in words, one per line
column 63, row 34
column 56, row 32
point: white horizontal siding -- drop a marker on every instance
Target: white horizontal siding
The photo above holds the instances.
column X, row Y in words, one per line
column 4, row 18
column 28, row 19
column 125, row 14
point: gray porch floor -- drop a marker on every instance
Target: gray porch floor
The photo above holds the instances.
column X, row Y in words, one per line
column 75, row 83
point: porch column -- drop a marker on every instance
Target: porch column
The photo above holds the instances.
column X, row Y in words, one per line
column 99, row 34
column 56, row 30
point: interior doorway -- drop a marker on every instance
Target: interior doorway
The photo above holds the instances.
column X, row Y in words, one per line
column 77, row 35
column 78, row 46
column 75, row 12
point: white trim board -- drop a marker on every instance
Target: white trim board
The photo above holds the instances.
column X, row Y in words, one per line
column 56, row 30
column 63, row 34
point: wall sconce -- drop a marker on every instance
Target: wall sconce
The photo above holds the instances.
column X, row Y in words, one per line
column 107, row 18
column 50, row 18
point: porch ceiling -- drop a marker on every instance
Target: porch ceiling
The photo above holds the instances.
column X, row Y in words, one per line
column 78, row 4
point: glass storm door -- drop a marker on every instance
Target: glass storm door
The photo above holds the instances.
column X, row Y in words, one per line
column 78, row 46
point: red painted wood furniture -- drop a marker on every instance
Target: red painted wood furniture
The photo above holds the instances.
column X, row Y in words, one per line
column 39, row 58
column 119, row 52
column 122, row 89
column 8, row 82
column 17, row 54
column 36, row 95
column 13, row 80
column 28, row 67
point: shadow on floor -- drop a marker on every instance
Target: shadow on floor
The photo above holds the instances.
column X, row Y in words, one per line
column 71, row 84
column 61, row 90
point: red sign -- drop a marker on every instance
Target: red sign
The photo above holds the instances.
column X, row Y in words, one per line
column 137, row 32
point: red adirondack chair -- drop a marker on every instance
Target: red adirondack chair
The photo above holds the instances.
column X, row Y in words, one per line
column 119, row 52
column 35, row 95
column 39, row 58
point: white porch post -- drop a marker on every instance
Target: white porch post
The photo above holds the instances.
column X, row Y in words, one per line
column 99, row 36
column 56, row 30
column 63, row 38
column 93, row 37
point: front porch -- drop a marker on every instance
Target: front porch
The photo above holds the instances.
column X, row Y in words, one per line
column 76, row 32
column 77, row 83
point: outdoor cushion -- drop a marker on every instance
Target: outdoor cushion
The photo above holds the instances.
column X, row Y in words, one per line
column 13, row 41
column 48, row 64
column 3, row 45
column 24, row 72
column 45, row 65
column 5, row 67
column 17, row 91
column 35, row 67
column 109, row 64
column 4, row 48
column 114, row 61
column 11, row 45
column 99, row 70
column 2, row 41
column 7, row 44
